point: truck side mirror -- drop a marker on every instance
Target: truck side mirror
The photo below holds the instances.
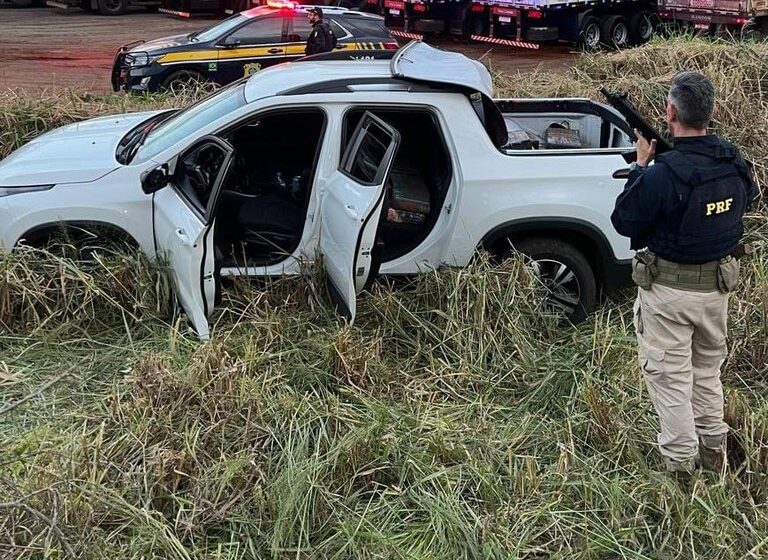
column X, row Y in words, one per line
column 154, row 179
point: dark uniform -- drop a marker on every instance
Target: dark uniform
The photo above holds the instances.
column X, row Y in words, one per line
column 321, row 39
column 665, row 207
column 687, row 209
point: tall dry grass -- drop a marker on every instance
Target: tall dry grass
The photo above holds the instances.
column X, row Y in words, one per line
column 453, row 420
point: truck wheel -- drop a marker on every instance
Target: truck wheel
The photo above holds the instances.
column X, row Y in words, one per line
column 755, row 30
column 615, row 32
column 183, row 80
column 590, row 35
column 112, row 7
column 642, row 26
column 565, row 273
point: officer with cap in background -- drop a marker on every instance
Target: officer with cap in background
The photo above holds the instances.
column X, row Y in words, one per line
column 684, row 217
column 321, row 39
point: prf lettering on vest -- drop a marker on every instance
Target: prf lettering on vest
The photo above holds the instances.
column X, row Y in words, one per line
column 719, row 207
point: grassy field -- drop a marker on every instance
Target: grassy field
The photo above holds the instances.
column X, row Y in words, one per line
column 453, row 420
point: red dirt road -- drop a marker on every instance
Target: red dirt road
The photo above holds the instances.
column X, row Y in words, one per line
column 45, row 48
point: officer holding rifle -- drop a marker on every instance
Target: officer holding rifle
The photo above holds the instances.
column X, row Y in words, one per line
column 684, row 217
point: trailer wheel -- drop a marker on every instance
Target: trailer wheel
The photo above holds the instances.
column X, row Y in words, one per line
column 183, row 80
column 642, row 26
column 112, row 7
column 590, row 35
column 755, row 30
column 615, row 32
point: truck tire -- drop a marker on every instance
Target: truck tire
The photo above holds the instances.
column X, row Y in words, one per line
column 183, row 79
column 755, row 30
column 642, row 26
column 565, row 273
column 590, row 34
column 112, row 7
column 615, row 32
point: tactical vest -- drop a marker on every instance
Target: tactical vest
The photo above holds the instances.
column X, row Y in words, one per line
column 706, row 225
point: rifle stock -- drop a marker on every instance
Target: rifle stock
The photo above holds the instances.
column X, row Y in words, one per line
column 619, row 101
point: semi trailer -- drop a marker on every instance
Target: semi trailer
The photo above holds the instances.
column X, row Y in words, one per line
column 748, row 18
column 527, row 23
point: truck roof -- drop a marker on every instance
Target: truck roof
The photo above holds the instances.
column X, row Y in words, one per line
column 416, row 62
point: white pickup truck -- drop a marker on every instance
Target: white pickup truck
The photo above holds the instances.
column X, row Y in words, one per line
column 390, row 166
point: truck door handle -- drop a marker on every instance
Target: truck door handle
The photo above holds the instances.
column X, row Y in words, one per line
column 274, row 51
column 621, row 173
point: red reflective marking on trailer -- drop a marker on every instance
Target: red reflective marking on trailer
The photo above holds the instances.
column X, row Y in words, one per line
column 507, row 42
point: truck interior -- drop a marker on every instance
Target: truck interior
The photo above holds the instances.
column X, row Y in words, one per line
column 418, row 180
column 263, row 205
column 516, row 125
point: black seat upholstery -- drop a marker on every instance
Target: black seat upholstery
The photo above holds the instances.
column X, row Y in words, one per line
column 269, row 218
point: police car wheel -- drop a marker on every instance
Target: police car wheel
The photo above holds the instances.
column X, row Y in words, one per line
column 565, row 273
column 183, row 80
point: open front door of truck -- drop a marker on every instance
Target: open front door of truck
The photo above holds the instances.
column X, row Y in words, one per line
column 184, row 218
column 351, row 210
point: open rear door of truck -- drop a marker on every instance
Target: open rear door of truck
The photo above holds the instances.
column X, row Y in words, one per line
column 351, row 210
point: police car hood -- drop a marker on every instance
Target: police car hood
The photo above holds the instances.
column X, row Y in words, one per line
column 76, row 153
column 162, row 45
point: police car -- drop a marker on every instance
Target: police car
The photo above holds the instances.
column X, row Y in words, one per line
column 240, row 46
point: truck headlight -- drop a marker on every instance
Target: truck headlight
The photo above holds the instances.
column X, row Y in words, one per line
column 8, row 191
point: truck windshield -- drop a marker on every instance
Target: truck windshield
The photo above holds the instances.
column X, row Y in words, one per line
column 188, row 122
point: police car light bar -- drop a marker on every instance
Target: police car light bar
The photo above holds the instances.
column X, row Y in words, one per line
column 282, row 4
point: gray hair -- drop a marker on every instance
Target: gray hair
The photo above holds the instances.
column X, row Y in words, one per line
column 693, row 96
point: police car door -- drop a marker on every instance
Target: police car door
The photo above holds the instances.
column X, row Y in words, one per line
column 351, row 210
column 184, row 214
column 257, row 44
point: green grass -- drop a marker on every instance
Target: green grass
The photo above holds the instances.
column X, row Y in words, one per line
column 453, row 420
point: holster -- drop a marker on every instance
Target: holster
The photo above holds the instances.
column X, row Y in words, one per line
column 727, row 274
column 644, row 269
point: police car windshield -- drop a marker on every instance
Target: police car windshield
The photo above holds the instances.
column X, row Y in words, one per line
column 219, row 30
column 187, row 123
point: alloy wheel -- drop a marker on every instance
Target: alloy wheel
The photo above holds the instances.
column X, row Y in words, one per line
column 562, row 285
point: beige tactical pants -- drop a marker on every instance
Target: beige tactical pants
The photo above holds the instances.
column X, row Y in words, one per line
column 681, row 346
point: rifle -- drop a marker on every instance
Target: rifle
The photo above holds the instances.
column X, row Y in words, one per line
column 619, row 101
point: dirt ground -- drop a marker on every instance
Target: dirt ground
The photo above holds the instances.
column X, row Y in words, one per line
column 46, row 48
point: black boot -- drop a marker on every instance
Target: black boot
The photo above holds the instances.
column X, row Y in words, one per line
column 712, row 453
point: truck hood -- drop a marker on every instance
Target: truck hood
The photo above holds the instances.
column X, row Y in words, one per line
column 76, row 153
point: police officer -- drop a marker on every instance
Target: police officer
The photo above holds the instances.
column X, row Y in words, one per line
column 321, row 38
column 684, row 215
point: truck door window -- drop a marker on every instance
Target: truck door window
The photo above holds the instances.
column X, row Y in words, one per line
column 365, row 162
column 196, row 174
